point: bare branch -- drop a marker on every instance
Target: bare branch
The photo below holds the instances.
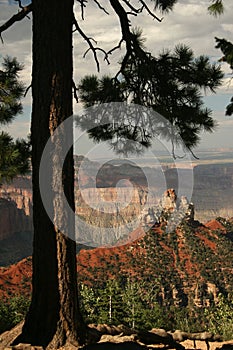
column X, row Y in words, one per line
column 21, row 6
column 26, row 91
column 82, row 5
column 97, row 49
column 91, row 46
column 101, row 7
column 75, row 89
column 16, row 18
column 115, row 48
column 132, row 8
column 150, row 12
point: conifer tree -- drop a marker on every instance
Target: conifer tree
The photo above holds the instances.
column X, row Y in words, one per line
column 14, row 155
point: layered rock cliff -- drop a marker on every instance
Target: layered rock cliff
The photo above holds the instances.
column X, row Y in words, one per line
column 113, row 200
column 16, row 228
column 16, row 208
column 12, row 219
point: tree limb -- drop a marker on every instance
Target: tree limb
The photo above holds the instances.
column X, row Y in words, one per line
column 115, row 48
column 26, row 91
column 16, row 18
column 82, row 5
column 124, row 21
column 91, row 46
column 132, row 8
column 101, row 7
column 149, row 11
column 75, row 89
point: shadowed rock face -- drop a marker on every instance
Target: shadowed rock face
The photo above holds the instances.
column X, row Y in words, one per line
column 15, row 207
column 16, row 228
column 12, row 219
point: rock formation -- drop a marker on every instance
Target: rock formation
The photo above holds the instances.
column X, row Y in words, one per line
column 12, row 219
column 171, row 210
column 16, row 226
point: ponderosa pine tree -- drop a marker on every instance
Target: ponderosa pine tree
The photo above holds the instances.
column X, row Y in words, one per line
column 54, row 318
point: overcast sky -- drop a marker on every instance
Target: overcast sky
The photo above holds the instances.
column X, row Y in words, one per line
column 189, row 23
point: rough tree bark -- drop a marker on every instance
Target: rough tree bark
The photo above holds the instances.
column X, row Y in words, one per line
column 54, row 318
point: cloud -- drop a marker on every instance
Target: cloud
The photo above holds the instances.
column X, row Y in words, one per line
column 18, row 129
column 226, row 123
column 189, row 23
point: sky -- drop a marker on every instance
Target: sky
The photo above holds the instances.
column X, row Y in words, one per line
column 189, row 24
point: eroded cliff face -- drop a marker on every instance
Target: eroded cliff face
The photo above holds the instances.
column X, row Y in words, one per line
column 16, row 228
column 20, row 192
column 12, row 219
column 15, row 207
column 107, row 216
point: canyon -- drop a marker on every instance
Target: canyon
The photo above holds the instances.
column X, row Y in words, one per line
column 115, row 199
column 187, row 262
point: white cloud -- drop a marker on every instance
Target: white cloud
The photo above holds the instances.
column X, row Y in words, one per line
column 226, row 123
column 18, row 129
column 189, row 23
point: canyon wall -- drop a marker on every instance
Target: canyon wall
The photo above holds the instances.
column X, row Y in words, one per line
column 113, row 199
column 15, row 207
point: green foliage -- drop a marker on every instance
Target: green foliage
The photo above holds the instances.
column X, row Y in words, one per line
column 170, row 84
column 14, row 155
column 165, row 5
column 12, row 311
column 110, row 303
column 134, row 303
column 227, row 49
column 88, row 303
column 220, row 317
column 229, row 108
column 156, row 289
column 11, row 90
column 216, row 8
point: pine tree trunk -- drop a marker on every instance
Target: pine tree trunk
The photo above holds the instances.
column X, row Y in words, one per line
column 54, row 318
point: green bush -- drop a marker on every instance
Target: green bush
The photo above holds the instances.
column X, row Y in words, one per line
column 220, row 317
column 12, row 311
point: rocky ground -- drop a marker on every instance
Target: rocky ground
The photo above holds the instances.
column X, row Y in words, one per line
column 115, row 342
